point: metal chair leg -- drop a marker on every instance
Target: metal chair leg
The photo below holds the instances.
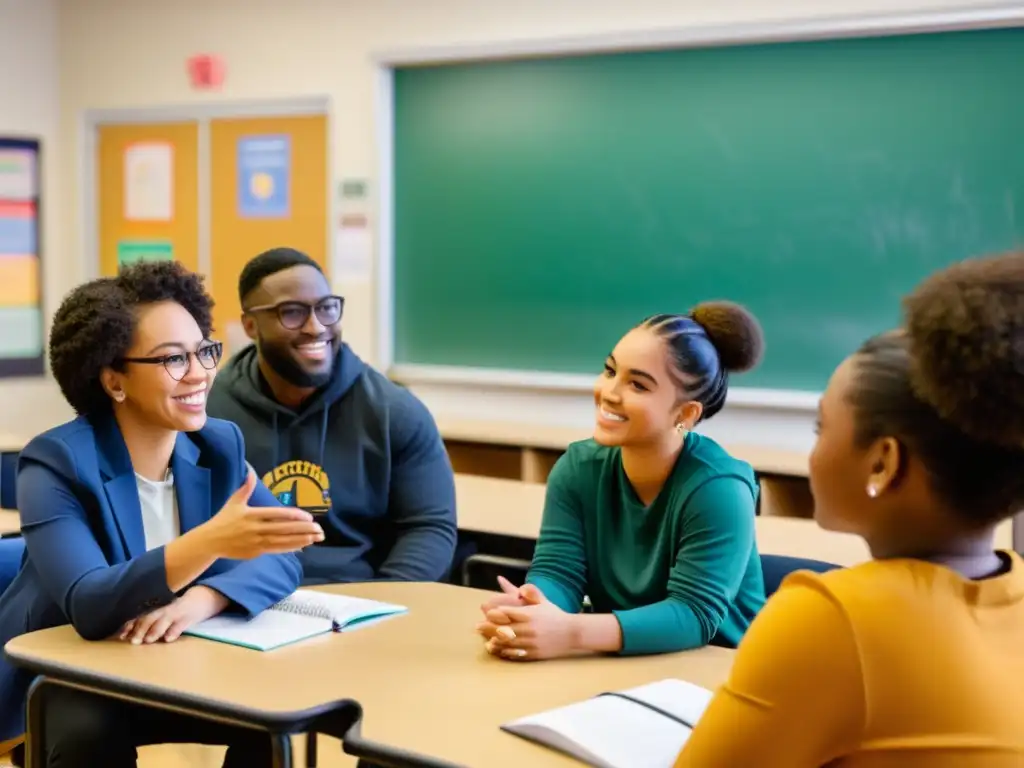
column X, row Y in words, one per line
column 311, row 750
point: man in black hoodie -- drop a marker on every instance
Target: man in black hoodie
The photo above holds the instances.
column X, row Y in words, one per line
column 331, row 435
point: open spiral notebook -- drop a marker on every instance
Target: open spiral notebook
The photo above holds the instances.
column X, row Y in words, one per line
column 305, row 613
column 643, row 727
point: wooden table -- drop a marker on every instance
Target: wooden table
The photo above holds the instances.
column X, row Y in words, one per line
column 11, row 443
column 515, row 508
column 446, row 697
column 423, row 680
column 10, row 522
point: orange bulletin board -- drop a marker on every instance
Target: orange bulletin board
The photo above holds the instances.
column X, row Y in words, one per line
column 268, row 187
column 147, row 193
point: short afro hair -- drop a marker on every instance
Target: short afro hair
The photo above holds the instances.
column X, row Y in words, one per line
column 94, row 326
column 947, row 386
column 269, row 263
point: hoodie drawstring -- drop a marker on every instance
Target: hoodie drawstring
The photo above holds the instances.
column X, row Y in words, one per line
column 277, row 440
column 278, row 436
column 323, row 434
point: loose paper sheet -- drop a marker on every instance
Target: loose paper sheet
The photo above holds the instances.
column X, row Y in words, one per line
column 353, row 255
column 149, row 182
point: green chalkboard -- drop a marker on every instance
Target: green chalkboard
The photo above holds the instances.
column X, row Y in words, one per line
column 543, row 207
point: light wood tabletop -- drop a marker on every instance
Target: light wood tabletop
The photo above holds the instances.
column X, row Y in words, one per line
column 447, row 697
column 11, row 443
column 514, row 508
column 10, row 522
column 424, row 680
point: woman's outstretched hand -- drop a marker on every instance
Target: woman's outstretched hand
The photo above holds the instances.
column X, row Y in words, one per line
column 241, row 532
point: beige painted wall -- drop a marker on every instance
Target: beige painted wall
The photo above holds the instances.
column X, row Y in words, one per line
column 131, row 53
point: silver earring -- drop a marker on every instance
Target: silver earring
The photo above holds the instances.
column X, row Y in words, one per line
column 872, row 491
column 119, row 397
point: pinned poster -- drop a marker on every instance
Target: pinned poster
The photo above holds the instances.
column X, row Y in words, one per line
column 149, row 181
column 353, row 251
column 134, row 251
column 17, row 174
column 264, row 177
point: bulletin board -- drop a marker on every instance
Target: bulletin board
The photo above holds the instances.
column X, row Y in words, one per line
column 148, row 187
column 268, row 188
column 211, row 189
column 21, row 316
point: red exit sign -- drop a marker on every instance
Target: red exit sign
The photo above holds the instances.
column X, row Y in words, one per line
column 206, row 70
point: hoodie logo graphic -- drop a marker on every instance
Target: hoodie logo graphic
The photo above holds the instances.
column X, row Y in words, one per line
column 300, row 484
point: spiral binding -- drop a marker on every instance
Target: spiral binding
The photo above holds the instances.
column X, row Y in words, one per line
column 288, row 605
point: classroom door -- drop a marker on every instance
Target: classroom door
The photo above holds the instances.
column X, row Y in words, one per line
column 268, row 188
column 147, row 193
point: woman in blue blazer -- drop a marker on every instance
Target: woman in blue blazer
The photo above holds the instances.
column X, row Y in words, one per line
column 140, row 517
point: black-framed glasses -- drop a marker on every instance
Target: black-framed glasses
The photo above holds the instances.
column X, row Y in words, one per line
column 177, row 364
column 295, row 314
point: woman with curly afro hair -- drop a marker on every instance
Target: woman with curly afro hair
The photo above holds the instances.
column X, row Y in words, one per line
column 914, row 659
column 140, row 517
column 650, row 520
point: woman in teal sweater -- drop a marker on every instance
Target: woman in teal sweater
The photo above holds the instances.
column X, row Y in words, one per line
column 651, row 521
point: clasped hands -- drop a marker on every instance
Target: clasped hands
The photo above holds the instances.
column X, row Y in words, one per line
column 521, row 624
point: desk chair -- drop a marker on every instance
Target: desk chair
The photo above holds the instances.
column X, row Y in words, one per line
column 9, row 479
column 775, row 568
column 12, row 553
column 481, row 571
column 12, row 548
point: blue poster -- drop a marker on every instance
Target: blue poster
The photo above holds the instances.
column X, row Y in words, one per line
column 264, row 177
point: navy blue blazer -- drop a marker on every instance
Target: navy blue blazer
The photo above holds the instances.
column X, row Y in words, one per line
column 86, row 561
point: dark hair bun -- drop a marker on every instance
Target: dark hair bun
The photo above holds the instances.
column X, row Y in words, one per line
column 734, row 331
column 966, row 335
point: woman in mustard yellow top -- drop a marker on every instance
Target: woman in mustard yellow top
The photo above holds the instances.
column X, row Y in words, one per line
column 917, row 658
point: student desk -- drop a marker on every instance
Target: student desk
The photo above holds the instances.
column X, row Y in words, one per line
column 514, row 508
column 527, row 451
column 10, row 523
column 11, row 443
column 448, row 697
column 290, row 690
column 424, row 680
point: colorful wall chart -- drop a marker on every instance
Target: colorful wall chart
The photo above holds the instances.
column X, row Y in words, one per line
column 21, row 317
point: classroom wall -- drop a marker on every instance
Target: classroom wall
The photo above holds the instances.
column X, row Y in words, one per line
column 131, row 53
column 30, row 106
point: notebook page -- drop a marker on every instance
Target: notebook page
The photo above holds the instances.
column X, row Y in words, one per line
column 607, row 732
column 264, row 632
column 342, row 609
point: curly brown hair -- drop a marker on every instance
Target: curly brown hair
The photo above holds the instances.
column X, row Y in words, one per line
column 714, row 339
column 94, row 325
column 947, row 385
